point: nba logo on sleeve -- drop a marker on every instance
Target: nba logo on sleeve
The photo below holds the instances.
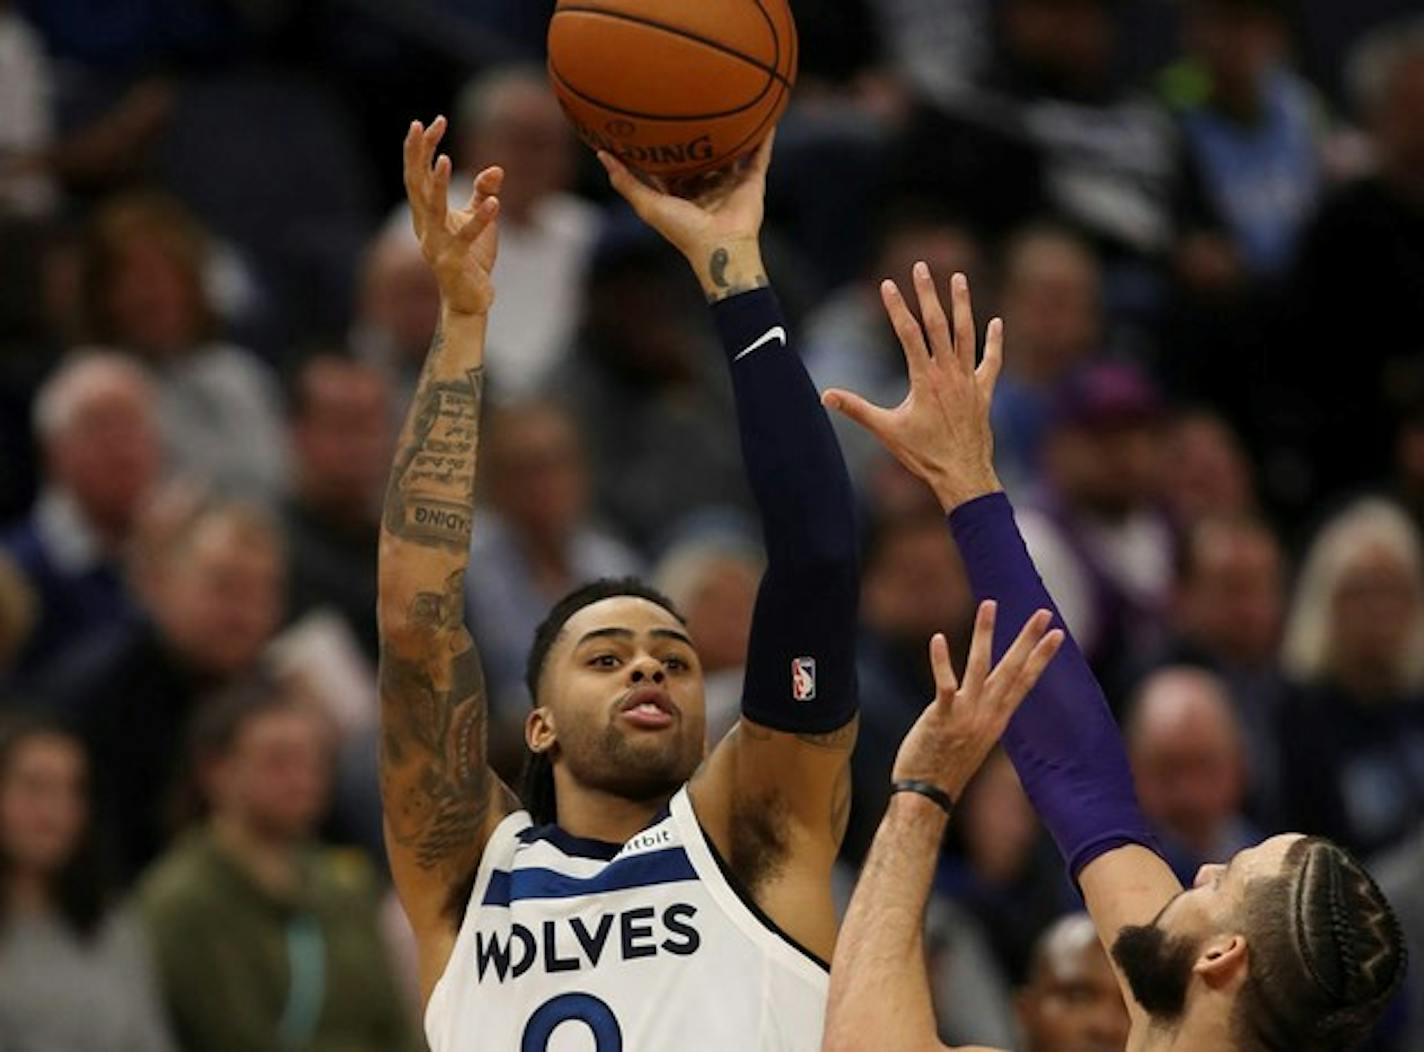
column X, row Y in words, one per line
column 803, row 678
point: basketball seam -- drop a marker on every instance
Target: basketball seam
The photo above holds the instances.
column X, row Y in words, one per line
column 554, row 72
column 770, row 71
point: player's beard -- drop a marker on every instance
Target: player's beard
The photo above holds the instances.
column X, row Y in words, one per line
column 1158, row 969
column 645, row 767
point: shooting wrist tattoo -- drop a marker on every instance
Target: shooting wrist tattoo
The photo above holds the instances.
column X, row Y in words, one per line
column 732, row 271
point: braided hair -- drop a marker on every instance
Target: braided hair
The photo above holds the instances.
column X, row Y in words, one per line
column 1324, row 967
column 536, row 789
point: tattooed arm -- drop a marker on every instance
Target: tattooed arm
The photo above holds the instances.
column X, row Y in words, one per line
column 440, row 799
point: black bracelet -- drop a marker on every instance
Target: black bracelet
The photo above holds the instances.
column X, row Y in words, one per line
column 925, row 789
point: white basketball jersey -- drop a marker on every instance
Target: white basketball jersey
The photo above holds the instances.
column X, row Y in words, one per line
column 573, row 945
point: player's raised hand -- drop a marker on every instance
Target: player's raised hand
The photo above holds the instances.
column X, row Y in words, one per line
column 460, row 244
column 960, row 727
column 941, row 430
column 713, row 220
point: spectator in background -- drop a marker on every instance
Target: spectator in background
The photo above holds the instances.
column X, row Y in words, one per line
column 211, row 585
column 650, row 396
column 263, row 940
column 1352, row 727
column 1189, row 760
column 1104, row 547
column 1071, row 1002
column 95, row 419
column 509, row 117
column 848, row 343
column 74, row 973
column 1003, row 869
column 1227, row 612
column 1365, row 249
column 396, row 311
column 26, row 121
column 536, row 544
column 1205, row 471
column 341, row 435
column 912, row 586
column 1053, row 315
column 713, row 581
column 1253, row 131
column 219, row 405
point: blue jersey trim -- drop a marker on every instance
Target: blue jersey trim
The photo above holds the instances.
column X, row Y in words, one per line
column 668, row 866
column 581, row 846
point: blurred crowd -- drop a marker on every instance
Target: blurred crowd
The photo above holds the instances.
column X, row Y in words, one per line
column 1203, row 224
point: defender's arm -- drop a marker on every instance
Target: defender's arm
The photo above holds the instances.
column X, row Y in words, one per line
column 440, row 799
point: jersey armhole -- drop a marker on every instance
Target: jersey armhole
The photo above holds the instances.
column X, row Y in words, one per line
column 735, row 900
column 498, row 849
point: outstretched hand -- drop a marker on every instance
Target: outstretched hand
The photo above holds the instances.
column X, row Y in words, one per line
column 941, row 430
column 960, row 727
column 460, row 244
column 716, row 227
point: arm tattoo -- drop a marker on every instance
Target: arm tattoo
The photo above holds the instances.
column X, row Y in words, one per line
column 434, row 778
column 717, row 270
column 430, row 499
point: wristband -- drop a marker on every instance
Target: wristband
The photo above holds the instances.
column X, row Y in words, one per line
column 926, row 789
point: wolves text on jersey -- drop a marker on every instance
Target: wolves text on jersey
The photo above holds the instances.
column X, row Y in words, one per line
column 631, row 933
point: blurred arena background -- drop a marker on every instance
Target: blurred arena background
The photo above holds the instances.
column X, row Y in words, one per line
column 1202, row 220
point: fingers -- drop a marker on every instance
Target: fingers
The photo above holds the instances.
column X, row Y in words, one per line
column 987, row 375
column 976, row 669
column 437, row 197
column 1010, row 666
column 946, row 683
column 634, row 191
column 932, row 311
column 420, row 182
column 907, row 329
column 485, row 212
column 488, row 183
column 963, row 307
column 1043, row 652
column 855, row 408
column 761, row 158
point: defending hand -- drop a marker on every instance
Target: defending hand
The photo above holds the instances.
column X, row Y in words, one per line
column 941, row 430
column 459, row 244
column 959, row 728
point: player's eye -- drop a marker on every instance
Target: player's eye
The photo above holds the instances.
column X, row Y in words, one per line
column 677, row 664
column 603, row 661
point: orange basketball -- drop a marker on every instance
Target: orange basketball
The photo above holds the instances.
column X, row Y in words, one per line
column 673, row 87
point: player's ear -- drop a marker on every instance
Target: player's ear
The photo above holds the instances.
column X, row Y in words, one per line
column 539, row 732
column 1221, row 963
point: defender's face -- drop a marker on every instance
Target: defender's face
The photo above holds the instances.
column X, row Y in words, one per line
column 621, row 700
column 1219, row 889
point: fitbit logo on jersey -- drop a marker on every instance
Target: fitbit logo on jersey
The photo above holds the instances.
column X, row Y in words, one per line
column 630, row 934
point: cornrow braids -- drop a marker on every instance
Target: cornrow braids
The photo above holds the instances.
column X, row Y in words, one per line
column 1321, row 976
column 536, row 790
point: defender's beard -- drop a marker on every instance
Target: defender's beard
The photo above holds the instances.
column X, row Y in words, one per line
column 1158, row 969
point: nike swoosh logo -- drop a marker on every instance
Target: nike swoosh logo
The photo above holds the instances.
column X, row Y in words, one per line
column 776, row 332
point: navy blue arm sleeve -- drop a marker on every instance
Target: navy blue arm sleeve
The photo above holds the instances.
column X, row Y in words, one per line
column 800, row 673
column 1063, row 741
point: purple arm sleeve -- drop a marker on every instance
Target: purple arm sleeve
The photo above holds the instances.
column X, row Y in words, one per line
column 1063, row 741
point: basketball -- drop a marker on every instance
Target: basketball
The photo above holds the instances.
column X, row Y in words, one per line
column 673, row 87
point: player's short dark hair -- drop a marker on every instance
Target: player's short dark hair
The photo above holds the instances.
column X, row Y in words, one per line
column 537, row 783
column 1327, row 954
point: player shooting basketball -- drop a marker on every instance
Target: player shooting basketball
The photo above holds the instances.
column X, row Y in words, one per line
column 1291, row 946
column 667, row 898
